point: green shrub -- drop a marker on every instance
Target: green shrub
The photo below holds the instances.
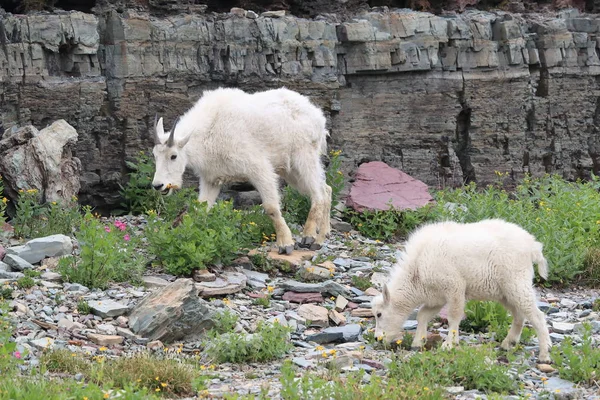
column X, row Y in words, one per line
column 225, row 321
column 578, row 363
column 269, row 342
column 138, row 194
column 391, row 224
column 562, row 215
column 296, row 206
column 108, row 253
column 486, row 316
column 29, row 213
column 202, row 237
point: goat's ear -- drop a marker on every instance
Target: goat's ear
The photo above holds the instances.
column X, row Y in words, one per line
column 386, row 294
column 159, row 130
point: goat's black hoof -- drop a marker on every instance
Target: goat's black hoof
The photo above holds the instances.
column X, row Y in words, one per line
column 286, row 249
column 315, row 246
column 306, row 242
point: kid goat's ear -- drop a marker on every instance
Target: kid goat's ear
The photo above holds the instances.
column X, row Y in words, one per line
column 159, row 131
column 386, row 294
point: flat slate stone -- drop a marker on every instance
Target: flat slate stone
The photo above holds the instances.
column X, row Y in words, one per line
column 107, row 308
column 37, row 249
column 377, row 185
column 346, row 333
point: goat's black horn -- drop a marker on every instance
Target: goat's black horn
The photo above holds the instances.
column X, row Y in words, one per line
column 172, row 135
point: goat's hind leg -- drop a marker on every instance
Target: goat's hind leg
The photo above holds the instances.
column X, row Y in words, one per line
column 266, row 185
column 514, row 334
column 309, row 178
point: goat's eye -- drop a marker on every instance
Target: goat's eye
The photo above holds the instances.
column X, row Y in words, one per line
column 174, row 156
column 378, row 315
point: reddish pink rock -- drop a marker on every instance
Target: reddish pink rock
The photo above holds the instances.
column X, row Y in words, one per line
column 351, row 305
column 302, row 298
column 377, row 184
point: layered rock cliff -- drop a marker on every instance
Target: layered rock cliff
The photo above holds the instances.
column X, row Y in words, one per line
column 446, row 98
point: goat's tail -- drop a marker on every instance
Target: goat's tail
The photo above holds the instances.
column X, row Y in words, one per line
column 540, row 260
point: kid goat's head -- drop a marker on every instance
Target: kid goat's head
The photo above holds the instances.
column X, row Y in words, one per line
column 389, row 321
column 169, row 157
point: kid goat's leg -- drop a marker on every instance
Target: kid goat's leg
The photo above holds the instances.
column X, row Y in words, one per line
column 423, row 317
column 266, row 184
column 456, row 308
column 514, row 334
column 525, row 300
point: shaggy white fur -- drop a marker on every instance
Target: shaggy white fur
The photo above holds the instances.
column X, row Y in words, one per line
column 450, row 263
column 233, row 136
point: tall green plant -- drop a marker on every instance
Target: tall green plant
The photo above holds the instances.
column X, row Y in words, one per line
column 107, row 253
column 3, row 202
column 137, row 193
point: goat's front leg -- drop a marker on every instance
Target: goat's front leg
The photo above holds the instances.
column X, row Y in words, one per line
column 456, row 309
column 423, row 317
column 208, row 192
column 269, row 193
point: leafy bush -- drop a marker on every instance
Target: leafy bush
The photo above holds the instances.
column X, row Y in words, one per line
column 562, row 215
column 269, row 342
column 201, row 238
column 138, row 195
column 578, row 363
column 296, row 206
column 388, row 224
column 108, row 253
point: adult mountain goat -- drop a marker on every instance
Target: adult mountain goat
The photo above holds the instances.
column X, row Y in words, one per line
column 450, row 263
column 233, row 136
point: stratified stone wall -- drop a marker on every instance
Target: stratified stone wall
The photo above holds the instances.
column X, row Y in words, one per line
column 445, row 98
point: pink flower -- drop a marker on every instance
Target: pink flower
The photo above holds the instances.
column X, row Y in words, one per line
column 107, row 228
column 121, row 225
column 17, row 354
column 126, row 238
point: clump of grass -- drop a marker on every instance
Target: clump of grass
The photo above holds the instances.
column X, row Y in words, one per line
column 578, row 363
column 5, row 293
column 262, row 301
column 470, row 367
column 83, row 307
column 169, row 376
column 333, row 386
column 65, row 361
column 361, row 282
column 269, row 342
column 25, row 282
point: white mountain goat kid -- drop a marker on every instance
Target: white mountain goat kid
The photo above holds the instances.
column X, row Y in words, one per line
column 233, row 136
column 450, row 263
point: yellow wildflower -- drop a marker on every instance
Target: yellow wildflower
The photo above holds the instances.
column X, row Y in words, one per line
column 398, row 342
column 203, row 367
column 324, row 354
column 332, row 352
column 425, row 388
column 211, row 367
column 157, row 389
column 270, row 289
column 156, row 378
column 103, row 348
column 163, row 384
column 361, row 347
column 106, row 395
column 4, row 200
column 320, row 348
